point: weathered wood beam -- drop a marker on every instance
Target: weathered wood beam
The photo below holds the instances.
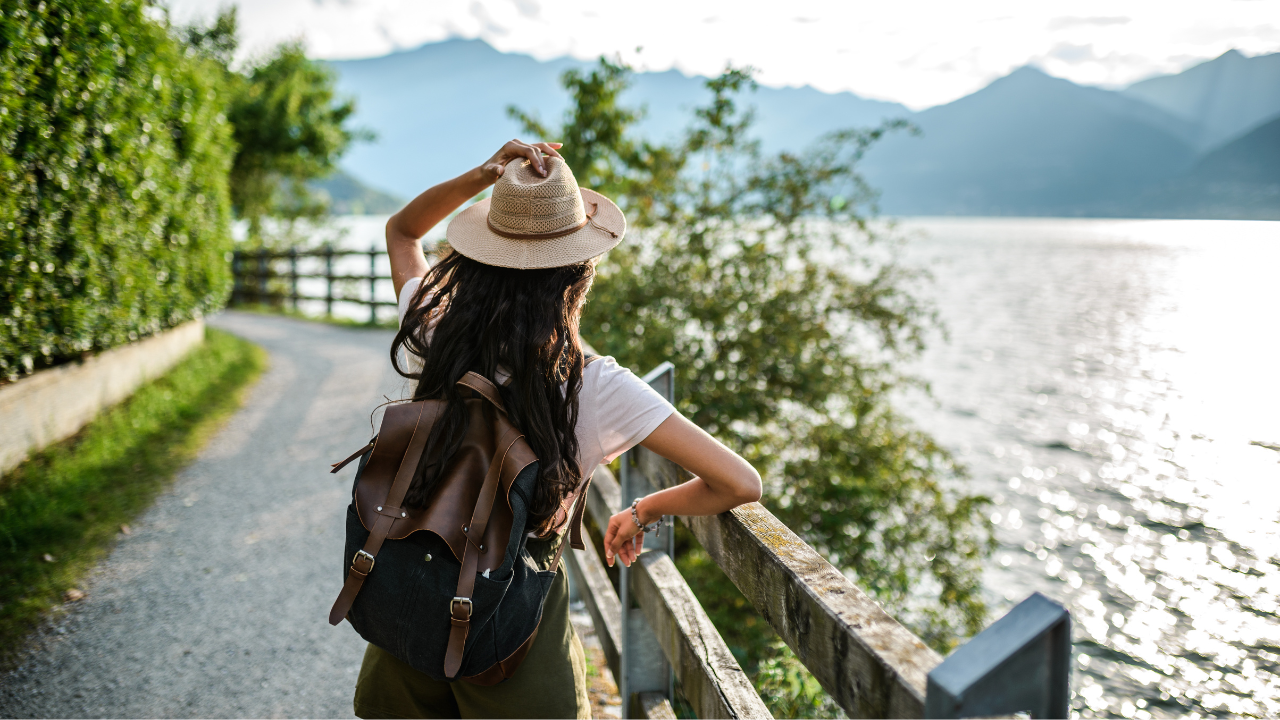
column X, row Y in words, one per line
column 865, row 659
column 602, row 603
column 712, row 680
column 655, row 706
column 872, row 666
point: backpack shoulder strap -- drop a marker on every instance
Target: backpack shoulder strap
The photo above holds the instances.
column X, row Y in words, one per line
column 484, row 387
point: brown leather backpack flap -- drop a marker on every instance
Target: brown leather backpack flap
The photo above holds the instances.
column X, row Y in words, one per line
column 489, row 439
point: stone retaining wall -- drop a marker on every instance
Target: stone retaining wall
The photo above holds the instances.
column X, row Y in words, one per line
column 54, row 404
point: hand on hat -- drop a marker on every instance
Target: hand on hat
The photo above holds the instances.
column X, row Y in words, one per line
column 516, row 149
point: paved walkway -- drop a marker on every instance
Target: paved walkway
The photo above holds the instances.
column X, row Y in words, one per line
column 217, row 604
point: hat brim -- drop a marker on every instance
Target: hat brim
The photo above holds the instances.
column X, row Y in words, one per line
column 470, row 235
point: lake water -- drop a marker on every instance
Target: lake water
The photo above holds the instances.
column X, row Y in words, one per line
column 1108, row 383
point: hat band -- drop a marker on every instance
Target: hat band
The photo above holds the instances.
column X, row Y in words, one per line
column 590, row 218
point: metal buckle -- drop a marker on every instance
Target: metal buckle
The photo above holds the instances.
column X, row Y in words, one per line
column 465, row 601
column 372, row 559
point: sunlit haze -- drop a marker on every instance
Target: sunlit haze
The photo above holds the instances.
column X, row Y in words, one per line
column 916, row 53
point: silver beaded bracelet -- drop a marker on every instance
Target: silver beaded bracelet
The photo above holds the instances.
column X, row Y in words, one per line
column 655, row 528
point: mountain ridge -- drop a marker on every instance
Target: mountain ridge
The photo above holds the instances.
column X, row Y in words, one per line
column 1026, row 144
column 1225, row 97
column 471, row 78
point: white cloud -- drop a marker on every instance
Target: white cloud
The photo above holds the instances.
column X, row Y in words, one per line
column 1062, row 23
column 919, row 53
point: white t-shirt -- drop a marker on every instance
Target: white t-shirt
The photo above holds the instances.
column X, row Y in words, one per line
column 616, row 409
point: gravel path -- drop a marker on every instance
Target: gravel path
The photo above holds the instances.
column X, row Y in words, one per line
column 216, row 605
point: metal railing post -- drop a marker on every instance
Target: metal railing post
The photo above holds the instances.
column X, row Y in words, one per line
column 643, row 664
column 1021, row 663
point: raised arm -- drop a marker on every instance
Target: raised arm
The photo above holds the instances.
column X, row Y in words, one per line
column 406, row 228
column 724, row 481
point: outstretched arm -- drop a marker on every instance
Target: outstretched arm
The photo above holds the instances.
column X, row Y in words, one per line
column 724, row 481
column 406, row 228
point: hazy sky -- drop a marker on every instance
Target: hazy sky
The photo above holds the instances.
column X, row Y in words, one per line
column 918, row 53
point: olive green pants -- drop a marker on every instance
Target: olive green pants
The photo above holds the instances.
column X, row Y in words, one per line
column 550, row 683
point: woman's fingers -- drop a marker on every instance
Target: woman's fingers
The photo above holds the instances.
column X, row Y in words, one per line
column 549, row 148
column 535, row 155
column 618, row 544
column 520, row 149
column 608, row 543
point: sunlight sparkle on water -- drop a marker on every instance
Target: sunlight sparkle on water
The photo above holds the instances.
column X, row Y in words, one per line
column 1106, row 382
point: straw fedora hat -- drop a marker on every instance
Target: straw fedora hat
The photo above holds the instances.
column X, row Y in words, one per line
column 531, row 221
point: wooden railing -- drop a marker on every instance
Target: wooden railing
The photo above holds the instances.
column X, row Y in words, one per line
column 870, row 664
column 271, row 277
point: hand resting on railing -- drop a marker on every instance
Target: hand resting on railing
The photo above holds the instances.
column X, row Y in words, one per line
column 723, row 481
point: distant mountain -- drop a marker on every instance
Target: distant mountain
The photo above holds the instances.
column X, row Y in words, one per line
column 1252, row 158
column 1225, row 97
column 1238, row 180
column 1027, row 144
column 1030, row 144
column 348, row 196
column 441, row 109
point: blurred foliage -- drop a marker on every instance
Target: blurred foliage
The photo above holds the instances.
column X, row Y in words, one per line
column 289, row 127
column 114, row 210
column 790, row 690
column 788, row 317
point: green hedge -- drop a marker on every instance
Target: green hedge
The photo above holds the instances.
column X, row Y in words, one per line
column 114, row 154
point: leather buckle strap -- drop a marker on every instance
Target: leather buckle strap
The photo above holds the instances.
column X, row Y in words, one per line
column 378, row 533
column 356, row 558
column 453, row 608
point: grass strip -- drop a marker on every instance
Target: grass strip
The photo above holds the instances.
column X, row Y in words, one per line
column 62, row 510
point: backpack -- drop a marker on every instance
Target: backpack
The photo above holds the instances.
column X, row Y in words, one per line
column 449, row 588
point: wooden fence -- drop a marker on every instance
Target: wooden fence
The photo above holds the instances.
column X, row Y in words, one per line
column 271, row 278
column 654, row 631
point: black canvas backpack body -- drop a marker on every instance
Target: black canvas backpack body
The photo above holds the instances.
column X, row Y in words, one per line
column 449, row 588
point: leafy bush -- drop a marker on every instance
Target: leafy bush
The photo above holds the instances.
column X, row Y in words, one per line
column 114, row 212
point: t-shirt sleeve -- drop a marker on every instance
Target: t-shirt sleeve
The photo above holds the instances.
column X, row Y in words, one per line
column 627, row 410
column 406, row 294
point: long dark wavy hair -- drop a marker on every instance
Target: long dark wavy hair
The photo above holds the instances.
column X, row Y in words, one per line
column 468, row 316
